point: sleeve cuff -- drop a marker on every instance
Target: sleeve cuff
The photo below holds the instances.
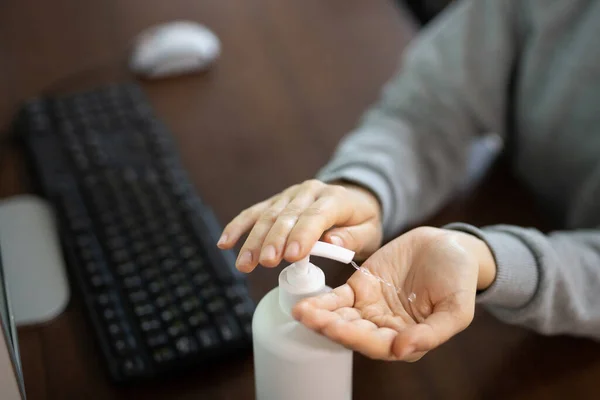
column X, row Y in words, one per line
column 517, row 272
column 373, row 181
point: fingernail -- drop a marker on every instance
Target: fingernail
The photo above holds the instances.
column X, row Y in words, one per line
column 268, row 253
column 336, row 240
column 222, row 239
column 245, row 258
column 293, row 250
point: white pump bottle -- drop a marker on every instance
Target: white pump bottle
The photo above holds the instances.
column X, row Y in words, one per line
column 292, row 362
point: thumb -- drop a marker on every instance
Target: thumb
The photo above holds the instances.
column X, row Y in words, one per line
column 358, row 238
column 435, row 330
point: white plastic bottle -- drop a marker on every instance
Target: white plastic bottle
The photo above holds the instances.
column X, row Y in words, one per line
column 292, row 362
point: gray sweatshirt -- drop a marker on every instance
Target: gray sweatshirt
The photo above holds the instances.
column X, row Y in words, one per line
column 528, row 71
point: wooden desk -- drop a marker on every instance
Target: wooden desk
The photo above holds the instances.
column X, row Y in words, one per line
column 293, row 78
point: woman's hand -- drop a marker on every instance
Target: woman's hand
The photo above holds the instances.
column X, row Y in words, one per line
column 438, row 273
column 290, row 223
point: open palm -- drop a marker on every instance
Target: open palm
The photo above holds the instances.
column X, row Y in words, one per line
column 434, row 283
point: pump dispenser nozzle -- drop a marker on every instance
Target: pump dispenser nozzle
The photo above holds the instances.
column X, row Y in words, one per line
column 304, row 279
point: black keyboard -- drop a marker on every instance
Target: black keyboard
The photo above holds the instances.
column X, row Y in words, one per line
column 139, row 242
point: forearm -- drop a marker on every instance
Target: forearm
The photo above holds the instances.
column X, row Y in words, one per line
column 548, row 283
column 411, row 148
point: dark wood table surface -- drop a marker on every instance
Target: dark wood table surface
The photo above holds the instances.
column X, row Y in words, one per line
column 293, row 78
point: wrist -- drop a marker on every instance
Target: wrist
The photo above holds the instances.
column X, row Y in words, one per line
column 370, row 197
column 485, row 259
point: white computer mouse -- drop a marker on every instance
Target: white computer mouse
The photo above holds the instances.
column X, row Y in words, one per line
column 174, row 48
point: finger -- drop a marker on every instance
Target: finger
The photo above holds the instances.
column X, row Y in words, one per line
column 362, row 336
column 248, row 257
column 315, row 318
column 348, row 313
column 352, row 237
column 320, row 216
column 340, row 297
column 414, row 357
column 273, row 246
column 247, row 218
column 241, row 224
column 438, row 328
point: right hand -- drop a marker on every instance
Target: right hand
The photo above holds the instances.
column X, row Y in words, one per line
column 287, row 225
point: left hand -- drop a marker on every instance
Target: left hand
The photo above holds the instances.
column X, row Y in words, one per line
column 442, row 268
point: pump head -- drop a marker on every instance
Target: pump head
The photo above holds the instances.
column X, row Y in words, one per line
column 304, row 279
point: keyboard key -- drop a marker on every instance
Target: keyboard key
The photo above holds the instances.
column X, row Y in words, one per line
column 189, row 304
column 120, row 256
column 110, row 314
column 144, row 310
column 150, row 324
column 183, row 290
column 169, row 314
column 244, row 310
column 208, row 337
column 182, row 241
column 174, row 228
column 150, row 273
column 99, row 281
column 186, row 345
column 133, row 366
column 216, row 306
column 176, row 278
column 156, row 287
column 128, row 221
column 195, row 265
column 125, row 345
column 228, row 328
column 138, row 296
column 168, row 264
column 157, row 339
column 239, row 290
column 163, row 251
column 198, row 318
column 201, row 278
column 187, row 252
column 163, row 354
column 116, row 243
column 111, row 231
column 176, row 329
column 138, row 246
column 126, row 269
column 144, row 259
column 107, row 218
column 115, row 329
column 132, row 282
column 158, row 238
column 135, row 233
column 164, row 300
column 92, row 267
column 105, row 299
column 209, row 292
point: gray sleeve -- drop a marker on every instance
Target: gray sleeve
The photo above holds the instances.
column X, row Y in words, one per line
column 548, row 283
column 410, row 148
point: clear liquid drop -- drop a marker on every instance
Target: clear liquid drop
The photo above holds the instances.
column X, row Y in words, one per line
column 411, row 298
